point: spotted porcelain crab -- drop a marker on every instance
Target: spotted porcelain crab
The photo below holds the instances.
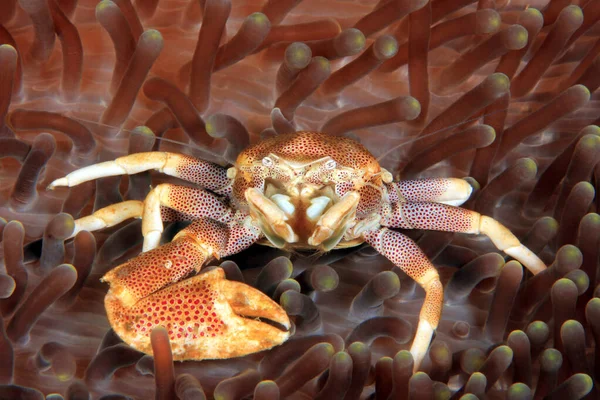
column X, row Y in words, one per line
column 304, row 190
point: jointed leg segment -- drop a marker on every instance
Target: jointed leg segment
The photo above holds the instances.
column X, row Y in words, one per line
column 431, row 204
column 192, row 203
column 405, row 254
column 155, row 269
column 451, row 191
column 442, row 217
column 186, row 204
column 206, row 174
column 109, row 216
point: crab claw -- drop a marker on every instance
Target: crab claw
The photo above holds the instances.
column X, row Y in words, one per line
column 206, row 316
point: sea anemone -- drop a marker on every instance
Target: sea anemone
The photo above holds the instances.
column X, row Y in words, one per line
column 501, row 93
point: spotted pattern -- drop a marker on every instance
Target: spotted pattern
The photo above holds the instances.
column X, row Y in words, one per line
column 370, row 201
column 194, row 311
column 306, row 146
column 319, row 175
column 407, row 255
column 421, row 189
column 192, row 203
column 342, row 188
column 169, row 215
column 353, row 168
column 207, row 232
column 395, row 219
column 198, row 318
column 224, row 239
column 432, row 216
column 206, row 174
column 248, row 177
column 206, row 317
column 147, row 291
column 240, row 237
column 278, row 173
column 344, row 176
column 344, row 181
column 392, row 192
column 186, row 311
column 155, row 269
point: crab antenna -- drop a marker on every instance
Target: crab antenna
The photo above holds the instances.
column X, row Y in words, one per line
column 134, row 132
column 412, row 140
column 409, row 141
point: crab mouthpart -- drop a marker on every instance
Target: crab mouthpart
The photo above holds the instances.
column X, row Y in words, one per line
column 270, row 218
column 333, row 223
column 206, row 316
column 303, row 215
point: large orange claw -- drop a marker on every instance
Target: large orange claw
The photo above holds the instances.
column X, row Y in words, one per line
column 205, row 318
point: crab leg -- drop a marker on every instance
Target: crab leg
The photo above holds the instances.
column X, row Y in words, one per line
column 109, row 216
column 442, row 217
column 192, row 203
column 166, row 202
column 452, row 191
column 405, row 254
column 206, row 174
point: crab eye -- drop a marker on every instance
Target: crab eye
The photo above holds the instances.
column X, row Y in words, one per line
column 267, row 162
column 331, row 164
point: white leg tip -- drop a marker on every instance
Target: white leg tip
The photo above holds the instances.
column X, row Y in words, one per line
column 58, row 182
column 421, row 343
column 459, row 191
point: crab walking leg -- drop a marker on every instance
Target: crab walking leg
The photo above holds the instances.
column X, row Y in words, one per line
column 116, row 213
column 451, row 191
column 442, row 217
column 191, row 202
column 190, row 249
column 203, row 173
column 405, row 254
column 166, row 202
column 109, row 216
